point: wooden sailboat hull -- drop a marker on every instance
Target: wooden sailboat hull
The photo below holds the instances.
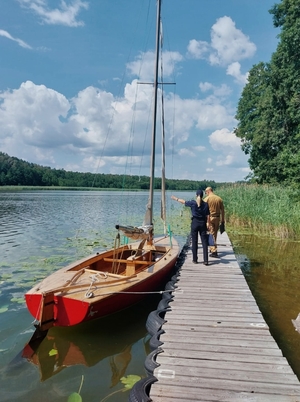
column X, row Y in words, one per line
column 101, row 284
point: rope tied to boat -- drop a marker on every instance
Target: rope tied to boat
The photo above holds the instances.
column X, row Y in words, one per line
column 145, row 293
column 94, row 278
column 160, row 292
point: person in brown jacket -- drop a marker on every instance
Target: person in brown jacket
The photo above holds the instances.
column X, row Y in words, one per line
column 217, row 215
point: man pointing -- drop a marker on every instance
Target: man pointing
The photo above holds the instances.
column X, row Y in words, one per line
column 217, row 215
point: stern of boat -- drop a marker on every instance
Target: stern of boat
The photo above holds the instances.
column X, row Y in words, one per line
column 51, row 310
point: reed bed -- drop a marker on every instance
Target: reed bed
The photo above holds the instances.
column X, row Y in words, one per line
column 269, row 210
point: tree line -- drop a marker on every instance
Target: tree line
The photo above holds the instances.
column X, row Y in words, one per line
column 269, row 108
column 17, row 172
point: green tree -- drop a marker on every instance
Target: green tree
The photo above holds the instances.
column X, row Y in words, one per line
column 14, row 171
column 269, row 108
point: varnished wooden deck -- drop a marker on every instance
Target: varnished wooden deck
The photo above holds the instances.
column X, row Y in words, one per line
column 216, row 345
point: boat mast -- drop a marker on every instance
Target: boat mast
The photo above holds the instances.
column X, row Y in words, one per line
column 155, row 83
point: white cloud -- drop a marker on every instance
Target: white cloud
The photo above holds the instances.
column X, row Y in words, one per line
column 200, row 148
column 228, row 44
column 32, row 113
column 198, row 49
column 91, row 124
column 197, row 115
column 213, row 115
column 221, row 139
column 229, row 147
column 218, row 91
column 40, row 155
column 234, row 70
column 194, row 151
column 65, row 14
column 43, row 126
column 142, row 67
column 19, row 41
column 229, row 159
column 186, row 152
column 206, row 86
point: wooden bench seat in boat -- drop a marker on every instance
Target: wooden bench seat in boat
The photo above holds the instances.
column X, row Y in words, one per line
column 125, row 261
column 132, row 261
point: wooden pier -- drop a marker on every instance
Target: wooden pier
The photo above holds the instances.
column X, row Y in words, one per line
column 216, row 343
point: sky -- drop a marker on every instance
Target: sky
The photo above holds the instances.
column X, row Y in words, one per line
column 76, row 83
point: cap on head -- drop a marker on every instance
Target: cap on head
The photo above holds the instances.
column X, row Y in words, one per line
column 199, row 193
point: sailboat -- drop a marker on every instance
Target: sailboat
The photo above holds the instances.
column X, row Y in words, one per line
column 112, row 280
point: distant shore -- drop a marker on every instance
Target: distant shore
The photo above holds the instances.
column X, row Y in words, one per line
column 22, row 188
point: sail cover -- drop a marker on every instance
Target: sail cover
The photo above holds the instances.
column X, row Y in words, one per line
column 136, row 232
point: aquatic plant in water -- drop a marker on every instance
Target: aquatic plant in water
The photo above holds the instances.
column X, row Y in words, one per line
column 75, row 396
column 128, row 381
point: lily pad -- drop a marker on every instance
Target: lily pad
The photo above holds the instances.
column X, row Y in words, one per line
column 130, row 380
column 3, row 309
column 74, row 397
column 6, row 276
column 19, row 300
column 53, row 352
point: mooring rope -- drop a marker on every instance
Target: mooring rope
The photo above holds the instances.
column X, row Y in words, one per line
column 94, row 278
column 140, row 293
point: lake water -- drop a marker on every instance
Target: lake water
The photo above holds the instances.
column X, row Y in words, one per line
column 272, row 270
column 41, row 231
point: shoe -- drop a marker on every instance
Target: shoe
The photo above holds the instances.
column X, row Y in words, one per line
column 195, row 262
column 205, row 263
column 214, row 254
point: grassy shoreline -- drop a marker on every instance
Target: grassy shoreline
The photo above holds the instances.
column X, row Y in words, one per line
column 270, row 210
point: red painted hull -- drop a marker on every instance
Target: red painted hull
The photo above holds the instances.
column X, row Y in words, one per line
column 68, row 311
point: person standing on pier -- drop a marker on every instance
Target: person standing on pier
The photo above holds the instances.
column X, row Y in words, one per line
column 199, row 225
column 217, row 215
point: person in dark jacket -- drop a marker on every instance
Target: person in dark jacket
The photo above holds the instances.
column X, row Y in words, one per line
column 200, row 223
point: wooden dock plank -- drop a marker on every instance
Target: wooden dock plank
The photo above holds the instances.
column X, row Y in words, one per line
column 222, row 323
column 229, row 357
column 243, row 343
column 223, row 338
column 229, row 385
column 178, row 394
column 222, row 316
column 216, row 345
column 251, row 367
column 230, row 374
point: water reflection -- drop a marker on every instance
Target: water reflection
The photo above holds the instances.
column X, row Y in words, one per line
column 56, row 353
column 88, row 344
column 271, row 268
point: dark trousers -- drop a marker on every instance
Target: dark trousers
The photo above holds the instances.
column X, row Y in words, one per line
column 198, row 227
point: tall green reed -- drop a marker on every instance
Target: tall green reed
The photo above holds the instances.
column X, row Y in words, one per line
column 273, row 211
